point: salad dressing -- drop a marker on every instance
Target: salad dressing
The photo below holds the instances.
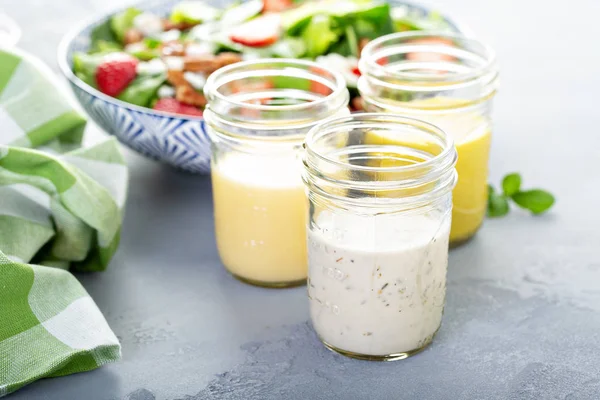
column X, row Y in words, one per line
column 377, row 283
column 472, row 136
column 258, row 115
column 379, row 227
column 260, row 213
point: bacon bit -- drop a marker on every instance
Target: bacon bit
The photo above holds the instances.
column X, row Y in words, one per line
column 358, row 105
column 176, row 78
column 339, row 259
column 133, row 36
column 277, row 5
column 361, row 44
column 173, row 48
column 182, row 26
column 228, row 58
column 208, row 64
column 186, row 94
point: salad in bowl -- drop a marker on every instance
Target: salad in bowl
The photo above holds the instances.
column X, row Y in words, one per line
column 140, row 72
column 162, row 61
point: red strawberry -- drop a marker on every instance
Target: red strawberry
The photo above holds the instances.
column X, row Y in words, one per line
column 176, row 107
column 277, row 5
column 258, row 32
column 116, row 71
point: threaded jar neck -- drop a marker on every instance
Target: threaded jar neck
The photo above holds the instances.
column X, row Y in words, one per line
column 400, row 68
column 379, row 160
column 272, row 99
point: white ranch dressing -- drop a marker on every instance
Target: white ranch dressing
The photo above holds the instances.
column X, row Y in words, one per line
column 377, row 283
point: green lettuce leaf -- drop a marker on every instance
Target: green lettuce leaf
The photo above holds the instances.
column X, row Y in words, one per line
column 102, row 35
column 142, row 90
column 194, row 12
column 319, row 35
column 123, row 21
column 85, row 66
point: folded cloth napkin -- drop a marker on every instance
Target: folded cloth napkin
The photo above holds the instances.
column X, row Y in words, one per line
column 60, row 208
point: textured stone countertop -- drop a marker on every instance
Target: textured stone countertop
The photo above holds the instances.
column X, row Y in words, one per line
column 522, row 319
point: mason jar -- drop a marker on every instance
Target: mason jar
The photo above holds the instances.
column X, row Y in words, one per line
column 257, row 116
column 450, row 81
column 378, row 231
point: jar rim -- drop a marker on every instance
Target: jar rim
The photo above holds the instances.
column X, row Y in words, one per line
column 369, row 65
column 332, row 124
column 213, row 83
column 418, row 183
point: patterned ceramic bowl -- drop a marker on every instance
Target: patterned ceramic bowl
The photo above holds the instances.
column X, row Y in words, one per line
column 177, row 140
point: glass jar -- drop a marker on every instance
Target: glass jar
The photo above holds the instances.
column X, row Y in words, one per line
column 379, row 225
column 449, row 81
column 258, row 115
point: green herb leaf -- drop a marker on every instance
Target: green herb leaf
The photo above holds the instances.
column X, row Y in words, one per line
column 497, row 203
column 536, row 200
column 511, row 184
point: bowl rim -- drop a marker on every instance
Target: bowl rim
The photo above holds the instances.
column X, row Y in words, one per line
column 72, row 33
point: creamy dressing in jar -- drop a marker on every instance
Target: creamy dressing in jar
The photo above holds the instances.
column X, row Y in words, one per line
column 377, row 283
column 378, row 233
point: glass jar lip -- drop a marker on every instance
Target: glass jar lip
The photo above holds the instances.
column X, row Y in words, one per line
column 368, row 65
column 375, row 118
column 212, row 84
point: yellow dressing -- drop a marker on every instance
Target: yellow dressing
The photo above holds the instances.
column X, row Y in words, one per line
column 472, row 136
column 260, row 218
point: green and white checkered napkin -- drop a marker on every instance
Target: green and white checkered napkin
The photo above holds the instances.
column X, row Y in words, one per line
column 60, row 208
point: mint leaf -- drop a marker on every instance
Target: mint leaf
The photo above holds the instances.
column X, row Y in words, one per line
column 497, row 203
column 537, row 201
column 511, row 184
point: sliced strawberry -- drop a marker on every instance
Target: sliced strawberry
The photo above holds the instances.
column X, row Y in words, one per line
column 277, row 5
column 427, row 56
column 116, row 71
column 259, row 32
column 174, row 106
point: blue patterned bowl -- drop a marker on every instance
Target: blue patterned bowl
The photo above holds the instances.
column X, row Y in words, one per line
column 177, row 140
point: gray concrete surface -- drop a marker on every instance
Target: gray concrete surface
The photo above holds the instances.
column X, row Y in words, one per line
column 522, row 319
